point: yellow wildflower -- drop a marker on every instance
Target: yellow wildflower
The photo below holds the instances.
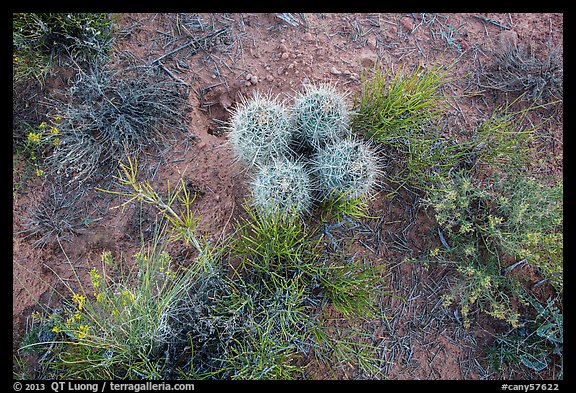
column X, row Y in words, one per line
column 95, row 278
column 33, row 137
column 56, row 329
column 465, row 228
column 513, row 319
column 469, row 250
column 106, row 257
column 39, row 172
column 54, row 131
column 79, row 300
column 434, row 252
column 447, row 300
column 83, row 331
column 57, row 118
column 42, row 125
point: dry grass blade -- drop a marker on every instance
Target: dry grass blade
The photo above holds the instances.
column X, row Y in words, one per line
column 57, row 217
column 112, row 113
column 518, row 70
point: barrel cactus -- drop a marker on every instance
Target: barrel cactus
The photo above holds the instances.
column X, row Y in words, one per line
column 282, row 184
column 259, row 129
column 347, row 168
column 320, row 116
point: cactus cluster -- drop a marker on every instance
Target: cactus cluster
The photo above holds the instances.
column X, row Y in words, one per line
column 260, row 129
column 283, row 184
column 304, row 153
column 320, row 116
column 347, row 167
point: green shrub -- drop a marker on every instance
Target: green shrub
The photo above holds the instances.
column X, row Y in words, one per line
column 278, row 293
column 401, row 112
column 41, row 39
column 484, row 224
column 122, row 327
column 537, row 344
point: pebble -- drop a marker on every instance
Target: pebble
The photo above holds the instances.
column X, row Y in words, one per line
column 407, row 24
column 507, row 39
column 335, row 71
column 285, row 55
column 253, row 79
column 269, row 78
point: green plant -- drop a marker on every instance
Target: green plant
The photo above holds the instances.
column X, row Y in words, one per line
column 278, row 292
column 282, row 185
column 37, row 145
column 124, row 328
column 183, row 221
column 536, row 344
column 272, row 240
column 259, row 130
column 320, row 116
column 401, row 112
column 503, row 142
column 41, row 39
column 392, row 106
column 345, row 168
column 339, row 207
column 483, row 225
column 112, row 112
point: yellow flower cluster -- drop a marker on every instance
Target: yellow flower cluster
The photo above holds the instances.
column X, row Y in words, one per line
column 80, row 300
column 34, row 137
column 83, row 331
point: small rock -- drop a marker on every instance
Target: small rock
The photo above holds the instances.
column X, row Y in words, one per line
column 309, row 37
column 225, row 101
column 371, row 42
column 284, row 55
column 283, row 48
column 216, row 197
column 202, row 145
column 507, row 39
column 368, row 58
column 335, row 71
column 247, row 84
column 253, row 79
column 280, row 71
column 269, row 78
column 406, row 23
column 248, row 77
